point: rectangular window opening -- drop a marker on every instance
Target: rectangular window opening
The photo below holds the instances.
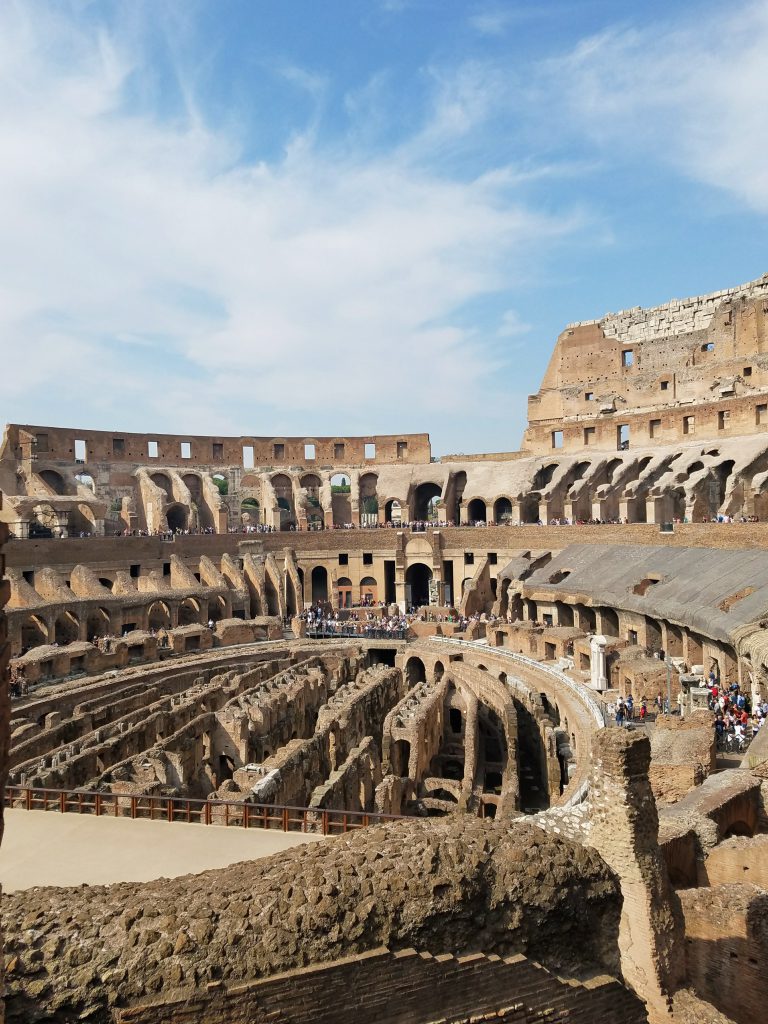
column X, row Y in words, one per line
column 151, row 449
column 80, row 452
column 557, row 439
column 338, row 451
column 589, row 396
column 370, row 450
column 664, row 385
column 186, row 450
column 247, row 456
column 708, row 346
column 309, row 452
column 41, row 442
column 723, row 419
column 469, row 558
column 367, row 558
column 622, row 437
column 278, row 451
column 118, row 446
column 689, row 424
column 493, row 558
column 218, row 451
column 402, row 449
column 761, row 415
column 627, row 357
column 589, row 435
column 344, row 559
column 654, row 428
column 135, row 571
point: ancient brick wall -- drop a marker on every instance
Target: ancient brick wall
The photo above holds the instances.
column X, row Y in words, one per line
column 738, row 859
column 381, row 987
column 726, row 932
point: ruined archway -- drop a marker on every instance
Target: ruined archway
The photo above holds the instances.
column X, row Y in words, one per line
column 425, row 499
column 66, row 629
column 417, row 579
column 477, row 511
column 158, row 616
column 176, row 516
column 319, row 584
column 189, row 612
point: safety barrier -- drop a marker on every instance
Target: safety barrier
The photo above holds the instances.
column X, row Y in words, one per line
column 230, row 813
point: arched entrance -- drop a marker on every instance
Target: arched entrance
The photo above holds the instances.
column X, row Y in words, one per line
column 369, row 502
column 319, row 584
column 176, row 517
column 393, row 512
column 344, row 592
column 158, row 617
column 502, row 511
column 189, row 612
column 425, row 501
column 34, row 632
column 97, row 624
column 477, row 511
column 417, row 580
column 67, row 629
column 368, row 590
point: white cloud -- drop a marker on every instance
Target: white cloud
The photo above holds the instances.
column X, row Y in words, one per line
column 146, row 284
column 690, row 94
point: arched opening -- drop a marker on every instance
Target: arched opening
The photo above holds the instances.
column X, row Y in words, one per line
column 189, row 612
column 341, row 491
column 543, row 477
column 393, row 512
column 417, row 579
column 283, row 488
column 221, row 482
column 459, row 485
column 610, row 622
column 34, row 632
column 86, row 480
column 53, row 480
column 369, row 590
column 477, row 511
column 311, row 484
column 66, row 629
column 270, row 590
column 564, row 614
column 369, row 501
column 176, row 517
column 344, row 592
column 163, row 481
column 529, row 509
column 319, row 584
column 250, row 513
column 738, row 828
column 400, row 757
column 415, row 672
column 425, row 501
column 653, row 634
column 439, row 671
column 158, row 617
column 502, row 511
column 217, row 609
column 534, row 794
column 194, row 485
column 44, row 523
column 97, row 624
column 81, row 521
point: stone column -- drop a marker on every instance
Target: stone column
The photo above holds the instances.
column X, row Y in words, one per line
column 624, row 831
column 598, row 679
column 471, row 743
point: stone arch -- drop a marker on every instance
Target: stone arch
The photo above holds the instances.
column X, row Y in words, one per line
column 66, row 628
column 502, row 510
column 81, row 520
column 344, row 592
column 163, row 481
column 477, row 511
column 415, row 671
column 393, row 511
column 319, row 584
column 529, row 509
column 177, row 515
column 53, row 480
column 368, row 499
column 34, row 632
column 283, row 488
column 97, row 624
column 341, row 495
column 369, row 588
column 189, row 612
column 418, row 577
column 425, row 499
column 158, row 616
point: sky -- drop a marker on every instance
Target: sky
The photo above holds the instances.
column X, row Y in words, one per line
column 351, row 217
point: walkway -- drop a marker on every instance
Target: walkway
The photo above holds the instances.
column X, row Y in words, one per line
column 45, row 848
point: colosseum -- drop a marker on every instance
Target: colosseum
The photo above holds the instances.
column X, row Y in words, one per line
column 506, row 707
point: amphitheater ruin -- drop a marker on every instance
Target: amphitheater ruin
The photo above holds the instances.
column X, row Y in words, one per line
column 424, row 663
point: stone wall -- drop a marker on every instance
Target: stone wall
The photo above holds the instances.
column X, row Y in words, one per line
column 727, row 948
column 682, row 755
column 453, row 886
column 381, row 987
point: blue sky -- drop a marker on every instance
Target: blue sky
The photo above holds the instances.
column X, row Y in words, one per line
column 358, row 216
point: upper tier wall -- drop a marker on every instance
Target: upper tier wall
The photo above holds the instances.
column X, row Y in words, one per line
column 64, row 444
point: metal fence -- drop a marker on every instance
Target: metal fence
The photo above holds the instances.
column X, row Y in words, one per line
column 229, row 813
column 350, row 632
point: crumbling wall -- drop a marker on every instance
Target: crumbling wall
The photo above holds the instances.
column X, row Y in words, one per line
column 455, row 886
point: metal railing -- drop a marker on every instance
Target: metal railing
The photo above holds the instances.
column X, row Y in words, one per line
column 229, row 813
column 350, row 633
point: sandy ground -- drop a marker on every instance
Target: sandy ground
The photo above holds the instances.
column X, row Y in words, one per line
column 48, row 848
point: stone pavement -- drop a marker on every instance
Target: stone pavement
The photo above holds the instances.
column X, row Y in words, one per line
column 46, row 848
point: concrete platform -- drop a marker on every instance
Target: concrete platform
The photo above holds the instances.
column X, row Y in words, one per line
column 47, row 848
